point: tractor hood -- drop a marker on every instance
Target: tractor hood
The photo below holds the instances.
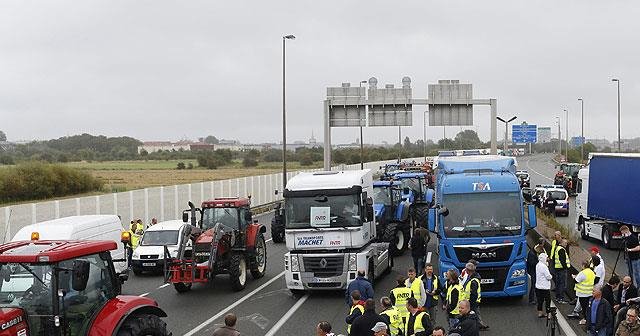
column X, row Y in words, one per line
column 378, row 210
column 205, row 237
column 13, row 321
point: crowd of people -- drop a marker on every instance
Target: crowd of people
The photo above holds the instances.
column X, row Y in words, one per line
column 604, row 308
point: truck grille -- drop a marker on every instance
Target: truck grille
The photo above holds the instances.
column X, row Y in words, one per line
column 324, row 267
column 490, row 254
column 497, row 274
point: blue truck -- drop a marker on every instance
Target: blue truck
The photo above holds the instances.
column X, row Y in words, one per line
column 480, row 214
column 608, row 197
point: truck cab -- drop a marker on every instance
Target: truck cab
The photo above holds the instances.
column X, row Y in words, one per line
column 330, row 230
column 480, row 215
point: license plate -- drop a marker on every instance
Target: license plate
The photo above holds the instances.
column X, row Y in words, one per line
column 322, row 280
column 148, row 264
column 487, row 281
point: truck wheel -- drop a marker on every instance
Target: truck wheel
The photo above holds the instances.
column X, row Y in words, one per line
column 238, row 271
column 182, row 287
column 606, row 238
column 259, row 265
column 583, row 229
column 420, row 214
column 143, row 324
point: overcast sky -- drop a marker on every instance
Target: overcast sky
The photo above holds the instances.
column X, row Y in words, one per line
column 165, row 70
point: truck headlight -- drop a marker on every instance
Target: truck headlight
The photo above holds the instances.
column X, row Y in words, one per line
column 518, row 273
column 353, row 262
column 295, row 266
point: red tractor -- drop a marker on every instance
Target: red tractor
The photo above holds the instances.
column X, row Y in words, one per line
column 225, row 240
column 69, row 288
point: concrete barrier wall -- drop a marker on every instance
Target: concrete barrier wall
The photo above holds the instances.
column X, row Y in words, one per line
column 163, row 203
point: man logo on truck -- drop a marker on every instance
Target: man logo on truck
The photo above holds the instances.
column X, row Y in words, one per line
column 483, row 255
column 481, row 186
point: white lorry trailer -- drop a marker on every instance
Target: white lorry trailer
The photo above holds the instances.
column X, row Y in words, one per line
column 330, row 231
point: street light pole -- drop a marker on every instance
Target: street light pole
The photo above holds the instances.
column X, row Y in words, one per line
column 618, row 82
column 424, row 135
column 559, row 136
column 361, row 141
column 506, row 132
column 566, row 150
column 581, row 129
column 284, row 113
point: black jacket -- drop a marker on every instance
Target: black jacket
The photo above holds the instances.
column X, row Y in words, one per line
column 532, row 261
column 562, row 257
column 632, row 292
column 607, row 294
column 604, row 317
column 418, row 247
column 468, row 325
column 362, row 325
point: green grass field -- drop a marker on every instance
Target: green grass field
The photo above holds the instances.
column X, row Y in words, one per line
column 130, row 165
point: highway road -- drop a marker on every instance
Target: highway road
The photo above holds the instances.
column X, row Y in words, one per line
column 266, row 307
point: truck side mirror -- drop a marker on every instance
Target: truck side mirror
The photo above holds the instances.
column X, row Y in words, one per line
column 431, row 220
column 275, row 192
column 533, row 221
column 80, row 275
column 248, row 216
column 185, row 217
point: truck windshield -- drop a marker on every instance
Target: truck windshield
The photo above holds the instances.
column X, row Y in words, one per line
column 226, row 216
column 382, row 195
column 27, row 286
column 344, row 211
column 483, row 215
column 157, row 238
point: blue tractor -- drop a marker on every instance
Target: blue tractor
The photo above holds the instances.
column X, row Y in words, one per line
column 418, row 191
column 392, row 216
column 389, row 170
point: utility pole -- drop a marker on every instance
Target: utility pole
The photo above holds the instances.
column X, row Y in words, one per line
column 506, row 132
column 581, row 129
column 566, row 157
column 361, row 141
column 619, row 143
column 284, row 113
column 424, row 135
column 559, row 137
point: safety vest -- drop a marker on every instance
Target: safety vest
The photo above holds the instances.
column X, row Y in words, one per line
column 417, row 323
column 466, row 293
column 395, row 322
column 401, row 295
column 450, row 289
column 135, row 240
column 354, row 307
column 557, row 264
column 554, row 244
column 434, row 284
column 586, row 286
column 415, row 288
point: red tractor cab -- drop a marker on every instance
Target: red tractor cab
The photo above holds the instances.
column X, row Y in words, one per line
column 69, row 288
column 224, row 240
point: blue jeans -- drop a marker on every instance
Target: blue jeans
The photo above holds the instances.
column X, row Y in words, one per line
column 635, row 265
column 418, row 264
column 561, row 283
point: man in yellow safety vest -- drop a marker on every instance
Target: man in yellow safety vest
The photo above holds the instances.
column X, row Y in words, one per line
column 418, row 323
column 417, row 287
column 561, row 264
column 391, row 317
column 585, row 280
column 356, row 310
column 399, row 297
column 472, row 291
column 432, row 288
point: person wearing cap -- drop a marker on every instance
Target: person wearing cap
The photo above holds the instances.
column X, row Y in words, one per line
column 364, row 323
column 472, row 291
column 418, row 323
column 380, row 329
column 598, row 266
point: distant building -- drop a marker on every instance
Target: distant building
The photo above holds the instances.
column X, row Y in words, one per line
column 544, row 134
column 155, row 146
column 201, row 146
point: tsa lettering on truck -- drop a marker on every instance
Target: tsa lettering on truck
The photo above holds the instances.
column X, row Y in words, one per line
column 481, row 186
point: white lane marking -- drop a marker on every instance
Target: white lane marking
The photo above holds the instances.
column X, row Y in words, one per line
column 163, row 286
column 286, row 316
column 268, row 240
column 536, row 172
column 233, row 305
column 564, row 325
column 428, row 257
column 143, row 295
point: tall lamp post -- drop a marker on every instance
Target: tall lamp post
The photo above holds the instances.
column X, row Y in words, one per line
column 581, row 129
column 424, row 135
column 566, row 130
column 284, row 113
column 361, row 141
column 618, row 82
column 559, row 136
column 506, row 131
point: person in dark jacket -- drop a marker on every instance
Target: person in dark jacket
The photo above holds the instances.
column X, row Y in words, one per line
column 229, row 328
column 361, row 284
column 625, row 292
column 598, row 315
column 363, row 324
column 468, row 323
column 532, row 261
column 550, row 205
column 609, row 290
column 418, row 246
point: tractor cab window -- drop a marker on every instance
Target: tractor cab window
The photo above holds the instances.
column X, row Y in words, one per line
column 244, row 213
column 78, row 307
column 382, row 196
column 412, row 184
column 225, row 216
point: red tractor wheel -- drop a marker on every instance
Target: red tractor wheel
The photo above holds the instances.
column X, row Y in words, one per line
column 259, row 262
column 238, row 271
column 143, row 324
column 182, row 287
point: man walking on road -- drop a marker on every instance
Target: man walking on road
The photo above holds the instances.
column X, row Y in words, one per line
column 361, row 284
column 418, row 246
column 399, row 297
column 417, row 287
column 357, row 309
column 362, row 325
column 391, row 317
column 229, row 328
column 632, row 246
column 432, row 288
column 472, row 292
column 561, row 265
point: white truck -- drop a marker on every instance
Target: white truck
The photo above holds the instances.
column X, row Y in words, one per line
column 330, row 231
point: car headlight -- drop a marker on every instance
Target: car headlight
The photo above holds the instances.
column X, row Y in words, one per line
column 295, row 265
column 518, row 273
column 353, row 262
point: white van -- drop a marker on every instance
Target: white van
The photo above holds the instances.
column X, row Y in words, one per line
column 90, row 227
column 149, row 255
